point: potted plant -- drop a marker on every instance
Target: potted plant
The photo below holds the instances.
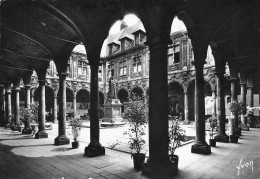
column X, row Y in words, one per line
column 176, row 135
column 213, row 123
column 236, row 107
column 76, row 124
column 137, row 115
column 29, row 116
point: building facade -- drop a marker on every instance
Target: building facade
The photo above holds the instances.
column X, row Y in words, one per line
column 128, row 59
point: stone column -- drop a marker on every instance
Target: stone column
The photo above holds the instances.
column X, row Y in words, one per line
column 55, row 111
column 8, row 105
column 28, row 95
column 17, row 103
column 243, row 100
column 32, row 96
column 2, row 123
column 200, row 145
column 158, row 161
column 186, row 109
column 214, row 102
column 233, row 98
column 94, row 148
column 250, row 96
column 221, row 136
column 41, row 112
column 62, row 139
column 74, row 104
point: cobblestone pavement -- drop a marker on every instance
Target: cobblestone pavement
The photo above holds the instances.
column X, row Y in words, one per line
column 22, row 156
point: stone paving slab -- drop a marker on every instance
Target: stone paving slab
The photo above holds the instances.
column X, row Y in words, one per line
column 22, row 156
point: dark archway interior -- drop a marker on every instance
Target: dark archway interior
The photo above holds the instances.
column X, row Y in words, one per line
column 137, row 91
column 175, row 99
column 83, row 102
column 123, row 97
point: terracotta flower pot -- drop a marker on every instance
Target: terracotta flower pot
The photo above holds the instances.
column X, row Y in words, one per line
column 212, row 142
column 233, row 138
column 138, row 160
column 75, row 144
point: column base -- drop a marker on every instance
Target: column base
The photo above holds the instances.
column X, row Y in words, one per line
column 17, row 128
column 244, row 127
column 7, row 126
column 222, row 138
column 201, row 149
column 41, row 134
column 186, row 122
column 238, row 131
column 61, row 140
column 93, row 150
column 166, row 169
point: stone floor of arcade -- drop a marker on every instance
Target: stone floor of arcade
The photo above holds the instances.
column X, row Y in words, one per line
column 22, row 156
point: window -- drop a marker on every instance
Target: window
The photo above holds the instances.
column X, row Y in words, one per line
column 137, row 38
column 100, row 73
column 137, row 64
column 69, row 69
column 122, row 68
column 176, row 49
column 170, row 55
column 82, row 68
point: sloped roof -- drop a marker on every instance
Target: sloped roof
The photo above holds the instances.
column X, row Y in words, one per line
column 126, row 32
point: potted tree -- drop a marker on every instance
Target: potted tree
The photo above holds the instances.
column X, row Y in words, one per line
column 213, row 123
column 176, row 135
column 29, row 117
column 236, row 107
column 76, row 124
column 137, row 115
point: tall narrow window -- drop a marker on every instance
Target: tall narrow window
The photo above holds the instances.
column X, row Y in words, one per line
column 122, row 68
column 79, row 67
column 84, row 68
column 170, row 55
column 137, row 64
column 176, row 49
column 68, row 69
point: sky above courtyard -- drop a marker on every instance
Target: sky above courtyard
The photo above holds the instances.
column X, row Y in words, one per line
column 130, row 19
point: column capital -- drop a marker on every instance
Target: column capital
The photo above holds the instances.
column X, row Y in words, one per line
column 250, row 87
column 93, row 63
column 199, row 64
column 63, row 75
column 42, row 82
column 242, row 84
column 27, row 86
column 156, row 41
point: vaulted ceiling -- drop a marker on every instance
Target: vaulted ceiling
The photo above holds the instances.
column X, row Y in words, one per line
column 33, row 32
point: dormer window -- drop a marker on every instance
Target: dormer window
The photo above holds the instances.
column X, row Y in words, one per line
column 139, row 37
column 113, row 48
column 126, row 42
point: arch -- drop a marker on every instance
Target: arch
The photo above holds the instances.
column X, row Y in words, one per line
column 175, row 99
column 101, row 98
column 82, row 102
column 123, row 97
column 137, row 91
column 49, row 100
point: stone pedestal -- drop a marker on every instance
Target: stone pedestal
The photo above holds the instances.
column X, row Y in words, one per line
column 165, row 169
column 112, row 113
column 94, row 149
column 61, row 140
column 41, row 134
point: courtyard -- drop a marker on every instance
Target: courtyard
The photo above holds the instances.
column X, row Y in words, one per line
column 23, row 156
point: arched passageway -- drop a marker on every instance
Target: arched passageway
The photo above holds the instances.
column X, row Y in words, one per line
column 137, row 91
column 49, row 101
column 123, row 97
column 83, row 102
column 175, row 99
